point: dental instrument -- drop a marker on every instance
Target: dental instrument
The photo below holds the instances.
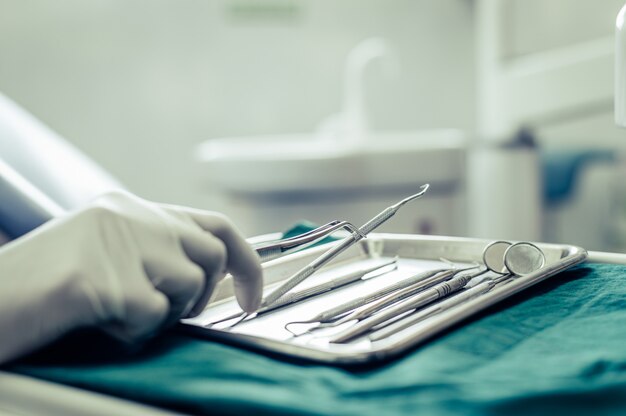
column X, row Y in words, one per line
column 270, row 250
column 318, row 289
column 501, row 257
column 344, row 244
column 412, row 303
column 524, row 258
column 366, row 311
column 273, row 249
column 493, row 256
column 352, row 277
column 399, row 290
column 442, row 306
column 519, row 259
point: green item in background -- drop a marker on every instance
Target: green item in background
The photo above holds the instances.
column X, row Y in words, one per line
column 557, row 348
column 300, row 228
column 304, row 227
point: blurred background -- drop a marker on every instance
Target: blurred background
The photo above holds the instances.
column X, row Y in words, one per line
column 276, row 111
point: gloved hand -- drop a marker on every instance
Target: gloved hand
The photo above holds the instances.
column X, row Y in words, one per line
column 122, row 263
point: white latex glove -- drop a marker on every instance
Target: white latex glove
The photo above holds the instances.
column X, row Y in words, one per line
column 122, row 263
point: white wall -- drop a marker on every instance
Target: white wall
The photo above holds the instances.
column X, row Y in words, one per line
column 531, row 26
column 540, row 26
column 136, row 84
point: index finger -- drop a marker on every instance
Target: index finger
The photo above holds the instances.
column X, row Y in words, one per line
column 242, row 261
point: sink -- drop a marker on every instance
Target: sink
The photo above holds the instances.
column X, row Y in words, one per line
column 344, row 170
column 304, row 163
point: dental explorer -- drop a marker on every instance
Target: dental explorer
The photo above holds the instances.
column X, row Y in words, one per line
column 400, row 290
column 412, row 303
column 442, row 306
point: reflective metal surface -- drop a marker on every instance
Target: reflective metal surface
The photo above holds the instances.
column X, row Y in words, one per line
column 416, row 254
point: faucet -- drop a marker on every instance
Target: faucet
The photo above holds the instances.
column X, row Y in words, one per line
column 350, row 126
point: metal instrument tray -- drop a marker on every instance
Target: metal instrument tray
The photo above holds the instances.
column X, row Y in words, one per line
column 415, row 254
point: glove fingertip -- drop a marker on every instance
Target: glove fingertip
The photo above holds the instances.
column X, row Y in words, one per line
column 248, row 295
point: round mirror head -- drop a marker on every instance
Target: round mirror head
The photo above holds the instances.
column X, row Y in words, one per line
column 524, row 258
column 493, row 256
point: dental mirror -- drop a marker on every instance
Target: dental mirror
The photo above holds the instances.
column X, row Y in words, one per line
column 524, row 258
column 493, row 256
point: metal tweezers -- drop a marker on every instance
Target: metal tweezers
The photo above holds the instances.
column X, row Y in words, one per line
column 342, row 245
column 270, row 250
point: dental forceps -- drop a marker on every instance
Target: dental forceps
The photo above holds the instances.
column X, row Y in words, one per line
column 270, row 250
column 344, row 244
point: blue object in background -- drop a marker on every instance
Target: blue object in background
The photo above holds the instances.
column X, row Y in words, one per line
column 562, row 169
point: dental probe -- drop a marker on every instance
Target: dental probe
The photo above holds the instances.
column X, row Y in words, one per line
column 455, row 300
column 400, row 290
column 412, row 303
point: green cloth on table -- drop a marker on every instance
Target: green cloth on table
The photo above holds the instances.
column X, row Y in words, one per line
column 557, row 348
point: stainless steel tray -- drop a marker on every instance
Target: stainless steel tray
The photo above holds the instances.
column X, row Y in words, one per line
column 415, row 254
